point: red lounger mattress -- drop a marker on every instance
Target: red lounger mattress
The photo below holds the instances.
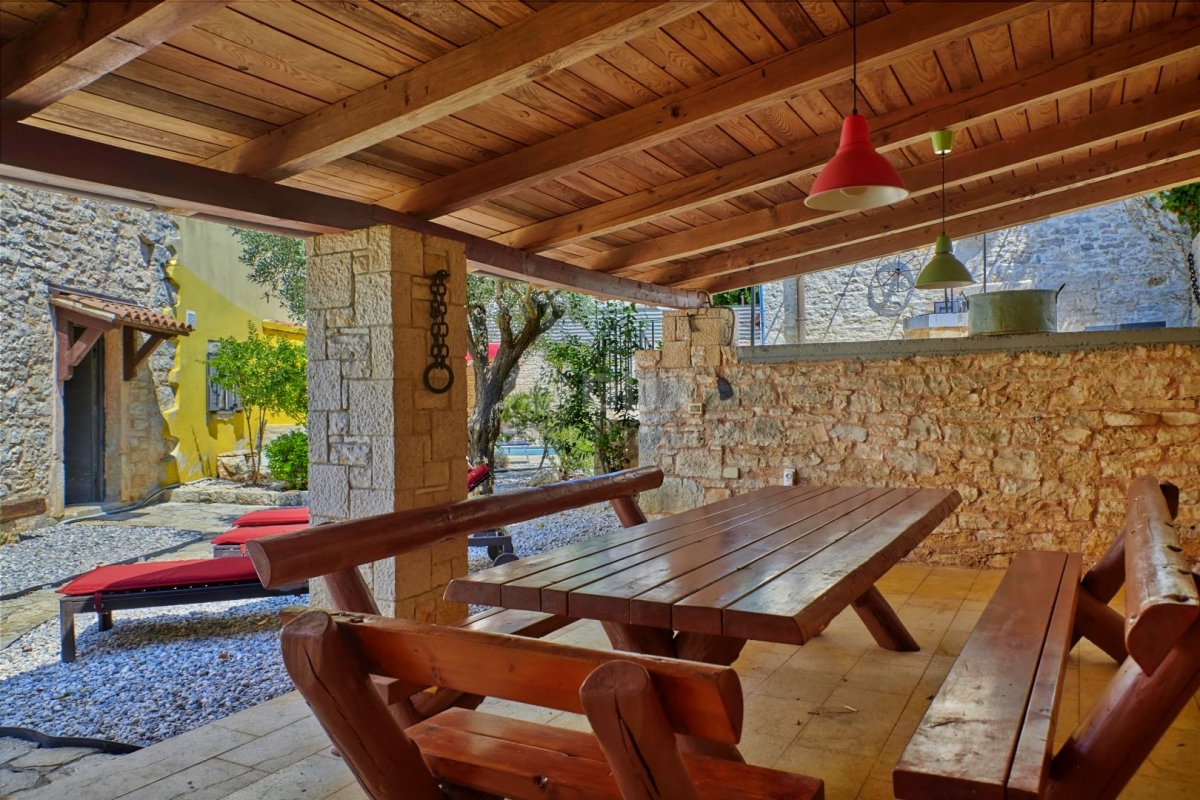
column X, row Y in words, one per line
column 162, row 575
column 243, row 535
column 292, row 515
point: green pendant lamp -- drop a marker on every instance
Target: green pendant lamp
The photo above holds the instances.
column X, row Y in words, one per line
column 944, row 271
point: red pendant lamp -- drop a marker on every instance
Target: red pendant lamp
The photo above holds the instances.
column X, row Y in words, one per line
column 856, row 178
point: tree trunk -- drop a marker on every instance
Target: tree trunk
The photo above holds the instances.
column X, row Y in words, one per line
column 483, row 427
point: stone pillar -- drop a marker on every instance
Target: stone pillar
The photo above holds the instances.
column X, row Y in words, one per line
column 379, row 441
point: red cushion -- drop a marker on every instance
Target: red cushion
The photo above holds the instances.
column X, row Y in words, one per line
column 243, row 535
column 476, row 475
column 273, row 516
column 162, row 575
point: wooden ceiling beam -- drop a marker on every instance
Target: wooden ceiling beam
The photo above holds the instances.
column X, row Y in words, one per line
column 76, row 45
column 1050, row 80
column 70, row 164
column 1135, row 183
column 1146, row 113
column 888, row 222
column 913, row 28
column 549, row 40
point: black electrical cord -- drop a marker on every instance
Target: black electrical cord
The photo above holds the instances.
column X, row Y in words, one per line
column 854, row 54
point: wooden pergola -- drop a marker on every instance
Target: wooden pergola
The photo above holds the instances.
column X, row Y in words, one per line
column 643, row 150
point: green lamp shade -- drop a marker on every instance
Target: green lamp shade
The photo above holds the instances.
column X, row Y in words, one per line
column 944, row 271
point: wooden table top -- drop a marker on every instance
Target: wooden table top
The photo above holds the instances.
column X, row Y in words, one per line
column 775, row 564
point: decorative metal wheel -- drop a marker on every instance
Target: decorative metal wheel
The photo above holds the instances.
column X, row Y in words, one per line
column 890, row 287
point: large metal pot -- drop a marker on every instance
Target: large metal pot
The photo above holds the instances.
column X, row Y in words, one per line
column 1019, row 311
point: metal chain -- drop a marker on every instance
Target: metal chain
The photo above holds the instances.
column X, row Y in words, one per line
column 439, row 351
column 1192, row 274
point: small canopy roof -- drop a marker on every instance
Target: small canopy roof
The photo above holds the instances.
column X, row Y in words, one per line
column 116, row 312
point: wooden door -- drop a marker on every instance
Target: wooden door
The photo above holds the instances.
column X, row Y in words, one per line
column 83, row 430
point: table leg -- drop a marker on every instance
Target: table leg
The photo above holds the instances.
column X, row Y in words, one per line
column 650, row 641
column 709, row 648
column 640, row 639
column 881, row 620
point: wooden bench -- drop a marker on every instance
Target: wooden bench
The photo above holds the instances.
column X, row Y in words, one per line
column 321, row 552
column 637, row 705
column 990, row 730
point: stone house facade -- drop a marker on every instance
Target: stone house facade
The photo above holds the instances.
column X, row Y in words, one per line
column 117, row 251
column 156, row 429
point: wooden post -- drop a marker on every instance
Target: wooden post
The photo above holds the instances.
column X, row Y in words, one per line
column 350, row 592
column 632, row 729
column 332, row 678
column 628, row 511
column 1102, row 626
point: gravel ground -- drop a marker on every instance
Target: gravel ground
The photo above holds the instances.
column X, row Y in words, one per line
column 162, row 671
column 158, row 673
column 49, row 555
column 540, row 535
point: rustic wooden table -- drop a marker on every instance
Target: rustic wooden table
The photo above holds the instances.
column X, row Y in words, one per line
column 776, row 564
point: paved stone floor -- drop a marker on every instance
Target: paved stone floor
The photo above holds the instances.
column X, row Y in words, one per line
column 838, row 708
column 24, row 613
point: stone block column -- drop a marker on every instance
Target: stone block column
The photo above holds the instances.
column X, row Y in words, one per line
column 379, row 441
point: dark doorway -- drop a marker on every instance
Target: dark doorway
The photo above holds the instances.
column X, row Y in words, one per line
column 83, row 429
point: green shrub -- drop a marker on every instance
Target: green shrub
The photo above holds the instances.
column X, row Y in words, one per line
column 288, row 457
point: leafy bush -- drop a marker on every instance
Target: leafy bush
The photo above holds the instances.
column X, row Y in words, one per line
column 1184, row 203
column 288, row 457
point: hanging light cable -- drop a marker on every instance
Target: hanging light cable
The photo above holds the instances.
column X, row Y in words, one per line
column 944, row 271
column 857, row 178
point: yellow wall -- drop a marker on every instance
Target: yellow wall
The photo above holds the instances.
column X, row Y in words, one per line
column 213, row 284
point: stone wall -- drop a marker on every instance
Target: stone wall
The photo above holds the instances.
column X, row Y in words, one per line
column 76, row 243
column 379, row 441
column 1040, row 444
column 1121, row 263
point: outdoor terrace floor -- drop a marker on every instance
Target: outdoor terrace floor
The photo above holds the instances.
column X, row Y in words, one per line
column 839, row 708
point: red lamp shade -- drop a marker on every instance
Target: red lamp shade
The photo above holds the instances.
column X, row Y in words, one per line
column 857, row 177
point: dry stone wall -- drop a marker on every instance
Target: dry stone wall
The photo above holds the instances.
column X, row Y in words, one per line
column 1039, row 444
column 119, row 251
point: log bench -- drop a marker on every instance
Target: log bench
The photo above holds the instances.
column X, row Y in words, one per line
column 990, row 730
column 320, row 552
column 636, row 705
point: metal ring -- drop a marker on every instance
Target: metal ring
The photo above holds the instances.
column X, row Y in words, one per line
column 436, row 367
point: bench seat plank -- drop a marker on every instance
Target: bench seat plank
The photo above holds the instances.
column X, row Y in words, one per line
column 513, row 758
column 1031, row 763
column 966, row 744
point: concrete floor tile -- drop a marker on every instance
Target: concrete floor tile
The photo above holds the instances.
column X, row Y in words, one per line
column 314, row 778
column 270, row 716
column 277, row 749
column 844, row 773
column 209, row 780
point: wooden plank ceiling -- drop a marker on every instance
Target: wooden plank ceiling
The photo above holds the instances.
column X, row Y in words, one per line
column 669, row 142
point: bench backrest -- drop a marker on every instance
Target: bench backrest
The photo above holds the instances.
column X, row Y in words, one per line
column 331, row 658
column 1162, row 637
column 1161, row 598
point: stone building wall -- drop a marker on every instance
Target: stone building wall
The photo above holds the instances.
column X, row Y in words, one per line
column 1121, row 263
column 1040, row 444
column 379, row 441
column 77, row 243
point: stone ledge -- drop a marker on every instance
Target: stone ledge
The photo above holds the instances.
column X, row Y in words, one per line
column 246, row 497
column 1037, row 342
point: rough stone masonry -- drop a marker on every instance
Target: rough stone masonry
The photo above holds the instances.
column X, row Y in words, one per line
column 379, row 441
column 1040, row 443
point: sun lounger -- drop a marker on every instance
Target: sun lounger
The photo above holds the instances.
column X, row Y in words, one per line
column 291, row 515
column 158, row 583
column 233, row 541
